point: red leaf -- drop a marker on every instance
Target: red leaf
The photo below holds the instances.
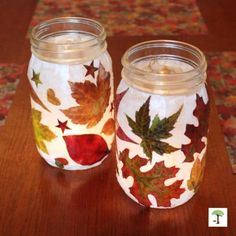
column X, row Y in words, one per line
column 61, row 162
column 121, row 135
column 119, row 98
column 152, row 181
column 195, row 134
column 86, row 149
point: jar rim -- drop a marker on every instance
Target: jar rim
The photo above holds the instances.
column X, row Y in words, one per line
column 55, row 51
column 67, row 19
column 164, row 83
column 159, row 43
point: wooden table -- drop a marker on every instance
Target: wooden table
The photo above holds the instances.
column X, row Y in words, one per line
column 36, row 199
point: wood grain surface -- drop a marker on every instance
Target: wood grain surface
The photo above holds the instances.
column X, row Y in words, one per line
column 36, row 199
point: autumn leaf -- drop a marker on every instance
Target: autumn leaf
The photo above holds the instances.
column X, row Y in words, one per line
column 51, row 96
column 152, row 135
column 152, row 181
column 86, row 149
column 122, row 135
column 93, row 99
column 61, row 162
column 195, row 134
column 118, row 99
column 42, row 132
column 36, row 99
column 196, row 175
column 36, row 78
column 109, row 127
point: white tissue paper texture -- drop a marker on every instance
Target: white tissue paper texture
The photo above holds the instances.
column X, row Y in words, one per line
column 163, row 106
column 57, row 78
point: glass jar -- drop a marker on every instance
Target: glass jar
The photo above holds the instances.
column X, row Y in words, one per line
column 71, row 88
column 162, row 122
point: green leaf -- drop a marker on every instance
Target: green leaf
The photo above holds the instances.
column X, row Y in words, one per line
column 142, row 117
column 152, row 136
column 147, row 148
column 155, row 123
column 164, row 126
column 163, row 147
column 134, row 126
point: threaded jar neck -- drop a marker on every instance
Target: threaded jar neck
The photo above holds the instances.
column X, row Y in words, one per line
column 68, row 40
column 164, row 67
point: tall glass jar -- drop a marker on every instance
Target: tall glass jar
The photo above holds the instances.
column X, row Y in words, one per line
column 162, row 122
column 71, row 86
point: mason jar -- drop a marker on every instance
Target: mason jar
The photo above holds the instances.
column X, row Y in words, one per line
column 162, row 111
column 71, row 90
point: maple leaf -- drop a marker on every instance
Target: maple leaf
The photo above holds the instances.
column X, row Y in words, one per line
column 36, row 78
column 152, row 181
column 93, row 99
column 42, row 132
column 62, row 125
column 91, row 69
column 152, row 135
column 196, row 175
column 195, row 134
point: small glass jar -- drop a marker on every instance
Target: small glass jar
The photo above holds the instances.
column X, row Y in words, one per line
column 71, row 88
column 161, row 122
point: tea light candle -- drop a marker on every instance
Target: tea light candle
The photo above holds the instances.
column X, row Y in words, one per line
column 163, row 66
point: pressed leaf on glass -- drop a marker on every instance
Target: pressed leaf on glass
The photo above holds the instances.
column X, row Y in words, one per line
column 195, row 134
column 118, row 99
column 61, row 162
column 152, row 181
column 196, row 175
column 42, row 132
column 153, row 133
column 122, row 135
column 36, row 99
column 92, row 99
column 86, row 149
column 51, row 96
column 109, row 127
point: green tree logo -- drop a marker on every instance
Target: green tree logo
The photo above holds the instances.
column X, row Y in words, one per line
column 218, row 213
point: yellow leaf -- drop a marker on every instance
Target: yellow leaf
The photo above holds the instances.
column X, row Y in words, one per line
column 93, row 99
column 109, row 127
column 42, row 132
column 196, row 174
column 51, row 96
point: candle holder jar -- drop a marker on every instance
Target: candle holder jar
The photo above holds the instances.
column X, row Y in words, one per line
column 71, row 88
column 161, row 122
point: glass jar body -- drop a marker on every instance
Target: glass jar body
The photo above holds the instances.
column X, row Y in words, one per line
column 161, row 143
column 72, row 108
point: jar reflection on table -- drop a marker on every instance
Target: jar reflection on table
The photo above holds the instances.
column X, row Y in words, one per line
column 162, row 123
column 71, row 86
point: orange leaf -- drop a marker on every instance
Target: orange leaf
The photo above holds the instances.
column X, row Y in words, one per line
column 109, row 127
column 36, row 99
column 93, row 99
column 51, row 96
column 196, row 175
